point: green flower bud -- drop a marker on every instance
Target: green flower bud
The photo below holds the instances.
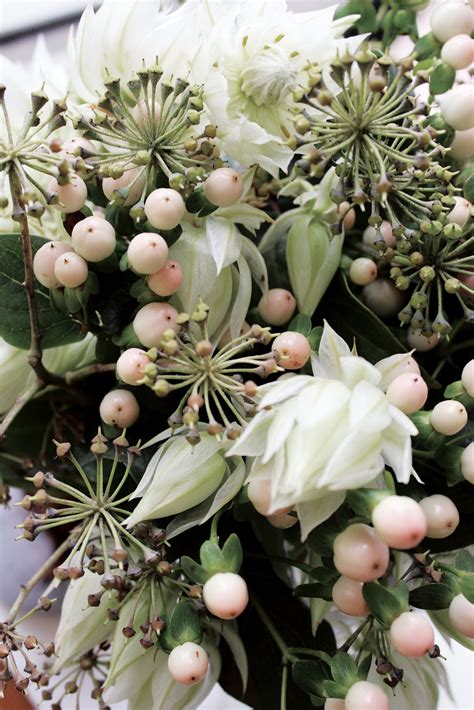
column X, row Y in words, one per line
column 452, row 231
column 427, row 274
column 452, row 285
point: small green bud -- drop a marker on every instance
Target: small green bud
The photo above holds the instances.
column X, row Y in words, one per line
column 193, row 117
column 427, row 273
column 402, row 283
column 452, row 231
column 302, row 125
column 419, row 300
column 416, row 258
column 405, row 315
column 142, row 157
column 161, row 388
column 452, row 285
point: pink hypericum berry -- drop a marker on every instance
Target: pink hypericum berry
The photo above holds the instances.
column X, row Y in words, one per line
column 152, row 321
column 400, row 522
column 408, row 392
column 467, row 462
column 277, row 306
column 164, row 208
column 70, row 269
column 345, row 209
column 259, row 492
column 461, row 615
column 412, row 635
column 366, row 696
column 120, row 408
column 44, row 261
column 420, row 342
column 93, row 238
column 147, row 253
column 386, row 230
column 347, row 596
column 383, row 297
column 282, row 521
column 334, row 704
column 72, row 197
column 225, row 595
column 188, row 663
column 441, row 514
column 467, row 378
column 360, row 554
column 224, row 187
column 293, row 348
column 133, row 179
column 448, row 417
column 167, row 280
column 363, row 271
column 131, row 364
column 458, row 52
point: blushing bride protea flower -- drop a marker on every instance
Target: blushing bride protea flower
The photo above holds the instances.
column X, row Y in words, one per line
column 315, row 437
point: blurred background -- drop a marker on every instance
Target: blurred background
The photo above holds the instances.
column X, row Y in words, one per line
column 21, row 21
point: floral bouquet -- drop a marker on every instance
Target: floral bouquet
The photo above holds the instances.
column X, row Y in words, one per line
column 237, row 286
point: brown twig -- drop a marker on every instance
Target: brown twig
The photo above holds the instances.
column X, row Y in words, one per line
column 95, row 369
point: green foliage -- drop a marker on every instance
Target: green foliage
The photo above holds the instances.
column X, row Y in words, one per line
column 183, row 626
column 431, row 596
column 442, row 79
column 367, row 21
column 386, row 603
column 427, row 47
column 55, row 327
column 214, row 559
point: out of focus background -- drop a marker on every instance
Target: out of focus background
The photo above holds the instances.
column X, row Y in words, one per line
column 21, row 21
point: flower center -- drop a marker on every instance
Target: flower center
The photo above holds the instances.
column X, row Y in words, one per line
column 268, row 77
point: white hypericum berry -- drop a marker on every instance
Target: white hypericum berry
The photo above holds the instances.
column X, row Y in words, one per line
column 370, row 233
column 224, row 187
column 44, row 261
column 93, row 238
column 461, row 615
column 120, row 408
column 345, row 209
column 450, row 19
column 457, row 107
column 70, row 269
column 293, row 348
column 225, row 595
column 259, row 492
column 458, row 52
column 188, row 663
column 347, row 596
column 167, row 280
column 467, row 378
column 152, row 321
column 420, row 342
column 164, row 208
column 363, row 271
column 147, row 253
column 360, row 554
column 383, row 297
column 448, row 417
column 134, row 179
column 467, row 463
column 400, row 522
column 462, row 147
column 408, row 392
column 461, row 211
column 412, row 635
column 282, row 521
column 441, row 514
column 72, row 197
column 366, row 696
column 334, row 704
column 131, row 364
column 277, row 306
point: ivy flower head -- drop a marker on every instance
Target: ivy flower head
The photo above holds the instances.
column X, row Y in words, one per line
column 317, row 436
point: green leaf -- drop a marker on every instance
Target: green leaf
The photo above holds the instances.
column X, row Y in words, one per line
column 427, row 47
column 212, row 557
column 468, row 188
column 232, row 553
column 324, row 575
column 321, row 539
column 194, row 570
column 301, row 323
column 467, row 586
column 364, row 667
column 310, row 675
column 316, row 590
column 385, row 603
column 184, row 624
column 55, row 327
column 431, row 596
column 367, row 21
column 364, row 500
column 344, row 670
column 314, row 337
column 442, row 79
column 464, row 561
column 334, row 690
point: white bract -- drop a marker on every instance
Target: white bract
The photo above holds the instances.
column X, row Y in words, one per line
column 316, row 437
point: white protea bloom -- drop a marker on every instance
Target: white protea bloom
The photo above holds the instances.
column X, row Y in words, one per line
column 18, row 379
column 316, row 437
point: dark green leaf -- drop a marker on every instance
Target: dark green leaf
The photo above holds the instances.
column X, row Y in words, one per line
column 56, row 327
column 232, row 553
column 301, row 323
column 314, row 338
column 427, row 47
column 310, row 675
column 367, row 21
column 442, row 79
column 364, row 500
column 385, row 603
column 193, row 570
column 334, row 690
column 211, row 557
column 464, row 561
column 468, row 188
column 324, row 575
column 404, row 21
column 185, row 625
column 343, row 669
column 431, row 596
column 364, row 667
column 316, row 590
column 467, row 586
